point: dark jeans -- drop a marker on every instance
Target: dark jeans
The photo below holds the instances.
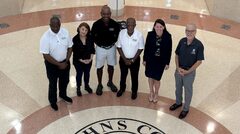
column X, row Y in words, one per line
column 80, row 69
column 55, row 75
column 134, row 70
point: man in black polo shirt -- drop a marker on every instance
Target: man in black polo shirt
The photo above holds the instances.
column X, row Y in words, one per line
column 189, row 55
column 105, row 33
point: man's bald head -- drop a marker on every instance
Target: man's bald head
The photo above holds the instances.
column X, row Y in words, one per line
column 106, row 13
column 131, row 24
column 55, row 24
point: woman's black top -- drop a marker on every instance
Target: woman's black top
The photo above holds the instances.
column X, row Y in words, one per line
column 81, row 51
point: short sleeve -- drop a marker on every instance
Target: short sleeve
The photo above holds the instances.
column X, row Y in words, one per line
column 44, row 45
column 118, row 43
column 178, row 47
column 200, row 54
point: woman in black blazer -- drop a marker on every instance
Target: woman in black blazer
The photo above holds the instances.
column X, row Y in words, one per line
column 157, row 55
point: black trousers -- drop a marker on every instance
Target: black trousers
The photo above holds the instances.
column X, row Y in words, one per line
column 55, row 75
column 134, row 70
column 81, row 69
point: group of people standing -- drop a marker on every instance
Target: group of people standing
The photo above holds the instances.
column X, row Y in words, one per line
column 57, row 47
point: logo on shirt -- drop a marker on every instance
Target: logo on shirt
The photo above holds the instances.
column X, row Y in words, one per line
column 134, row 40
column 119, row 125
column 193, row 51
column 111, row 29
column 63, row 38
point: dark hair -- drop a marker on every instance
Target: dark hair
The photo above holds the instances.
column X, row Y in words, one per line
column 84, row 24
column 160, row 21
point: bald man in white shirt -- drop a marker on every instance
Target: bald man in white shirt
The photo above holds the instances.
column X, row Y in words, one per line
column 130, row 44
column 56, row 47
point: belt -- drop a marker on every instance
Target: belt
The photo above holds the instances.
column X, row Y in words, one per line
column 107, row 47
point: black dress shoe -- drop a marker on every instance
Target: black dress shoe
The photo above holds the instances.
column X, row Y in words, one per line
column 99, row 89
column 66, row 99
column 54, row 106
column 183, row 114
column 79, row 92
column 120, row 93
column 88, row 89
column 112, row 86
column 175, row 106
column 134, row 96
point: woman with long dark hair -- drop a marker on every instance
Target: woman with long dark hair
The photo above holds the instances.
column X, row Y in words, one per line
column 157, row 55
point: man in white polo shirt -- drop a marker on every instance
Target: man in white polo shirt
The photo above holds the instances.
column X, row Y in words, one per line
column 130, row 44
column 56, row 46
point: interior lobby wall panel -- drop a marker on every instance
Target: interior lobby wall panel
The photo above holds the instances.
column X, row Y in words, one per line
column 10, row 7
column 225, row 9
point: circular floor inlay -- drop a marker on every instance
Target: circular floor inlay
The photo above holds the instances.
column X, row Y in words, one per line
column 120, row 125
column 119, row 120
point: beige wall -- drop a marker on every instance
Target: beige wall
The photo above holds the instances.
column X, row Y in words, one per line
column 228, row 9
column 10, row 7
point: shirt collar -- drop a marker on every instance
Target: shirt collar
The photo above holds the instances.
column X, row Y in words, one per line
column 52, row 33
column 134, row 32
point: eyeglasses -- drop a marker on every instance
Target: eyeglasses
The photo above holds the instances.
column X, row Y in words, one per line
column 190, row 31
